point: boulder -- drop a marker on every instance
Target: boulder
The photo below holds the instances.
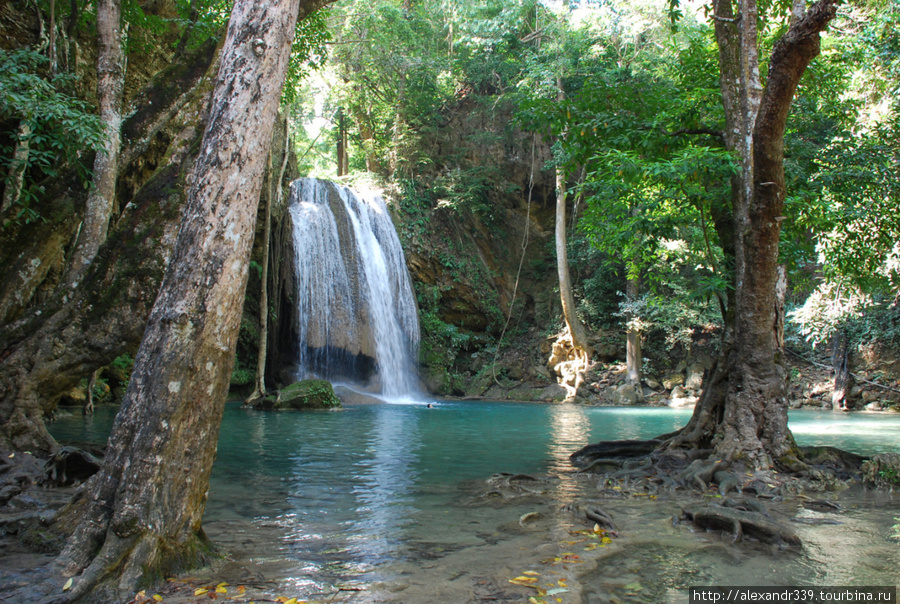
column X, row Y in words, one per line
column 625, row 395
column 882, row 471
column 683, row 401
column 695, row 377
column 308, row 394
column 554, row 392
column 676, row 379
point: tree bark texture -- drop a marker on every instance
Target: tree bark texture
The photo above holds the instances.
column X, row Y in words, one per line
column 743, row 410
column 633, row 336
column 141, row 512
column 567, row 298
column 45, row 353
column 840, row 361
column 110, row 87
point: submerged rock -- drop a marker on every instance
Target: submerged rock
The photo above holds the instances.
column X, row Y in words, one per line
column 308, row 394
column 882, row 471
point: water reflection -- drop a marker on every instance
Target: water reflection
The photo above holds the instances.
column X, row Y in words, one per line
column 569, row 431
column 384, row 480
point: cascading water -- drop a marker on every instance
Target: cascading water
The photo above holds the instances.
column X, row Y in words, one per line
column 355, row 302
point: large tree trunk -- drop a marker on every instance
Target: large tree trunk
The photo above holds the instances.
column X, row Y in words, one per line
column 110, row 86
column 46, row 352
column 140, row 514
column 743, row 410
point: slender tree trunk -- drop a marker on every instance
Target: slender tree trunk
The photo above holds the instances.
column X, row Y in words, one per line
column 274, row 197
column 110, row 86
column 89, row 397
column 15, row 177
column 633, row 336
column 140, row 514
column 342, row 162
column 841, row 364
column 567, row 298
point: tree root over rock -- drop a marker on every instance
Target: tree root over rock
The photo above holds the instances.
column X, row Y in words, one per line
column 740, row 522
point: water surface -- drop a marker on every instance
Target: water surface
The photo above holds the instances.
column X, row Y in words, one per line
column 385, row 493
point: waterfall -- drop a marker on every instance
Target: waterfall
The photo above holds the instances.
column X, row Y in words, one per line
column 356, row 312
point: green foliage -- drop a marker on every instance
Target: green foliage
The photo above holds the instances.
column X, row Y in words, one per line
column 441, row 342
column 864, row 318
column 61, row 126
column 307, row 53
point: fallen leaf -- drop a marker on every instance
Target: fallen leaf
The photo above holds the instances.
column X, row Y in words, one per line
column 531, row 573
column 221, row 590
column 157, row 597
column 557, row 590
column 241, row 589
column 200, row 591
column 68, row 585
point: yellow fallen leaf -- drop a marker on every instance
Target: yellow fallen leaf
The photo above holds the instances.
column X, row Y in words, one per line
column 68, row 585
column 526, row 579
column 532, row 573
column 221, row 590
column 223, row 584
column 157, row 597
column 291, row 601
column 200, row 591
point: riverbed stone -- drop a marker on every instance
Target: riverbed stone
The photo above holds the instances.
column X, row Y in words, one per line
column 625, row 395
column 308, row 394
column 676, row 379
column 695, row 377
column 682, row 402
column 554, row 392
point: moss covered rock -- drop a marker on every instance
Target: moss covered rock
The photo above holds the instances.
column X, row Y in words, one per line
column 308, row 394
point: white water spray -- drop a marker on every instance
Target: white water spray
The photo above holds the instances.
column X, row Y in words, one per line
column 354, row 295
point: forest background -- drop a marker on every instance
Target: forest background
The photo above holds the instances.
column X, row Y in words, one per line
column 463, row 115
column 486, row 125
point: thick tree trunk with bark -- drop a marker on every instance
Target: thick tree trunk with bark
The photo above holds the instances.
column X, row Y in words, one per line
column 44, row 354
column 743, row 410
column 110, row 86
column 140, row 514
